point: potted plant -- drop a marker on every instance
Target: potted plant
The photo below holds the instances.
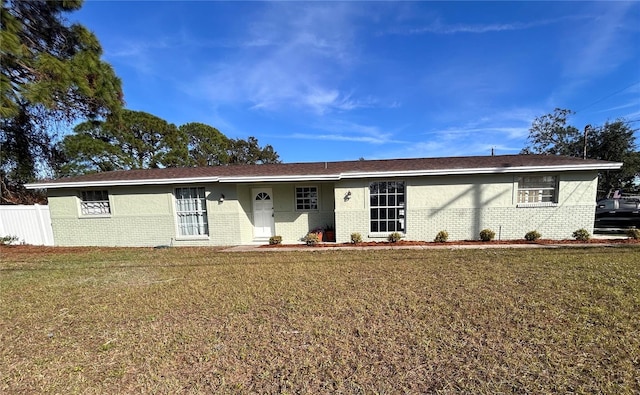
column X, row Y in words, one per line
column 319, row 231
column 329, row 233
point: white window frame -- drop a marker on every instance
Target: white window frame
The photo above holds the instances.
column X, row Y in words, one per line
column 397, row 208
column 94, row 203
column 307, row 200
column 198, row 208
column 537, row 190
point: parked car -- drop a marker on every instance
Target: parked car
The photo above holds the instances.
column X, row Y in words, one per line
column 612, row 214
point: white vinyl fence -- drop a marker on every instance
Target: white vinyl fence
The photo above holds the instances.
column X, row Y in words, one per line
column 31, row 224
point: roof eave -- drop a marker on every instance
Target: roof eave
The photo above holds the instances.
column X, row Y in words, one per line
column 111, row 183
column 190, row 180
column 302, row 178
column 484, row 170
column 329, row 177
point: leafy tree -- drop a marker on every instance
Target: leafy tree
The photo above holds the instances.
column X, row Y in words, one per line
column 207, row 145
column 50, row 72
column 130, row 140
column 138, row 140
column 550, row 134
column 613, row 141
column 250, row 152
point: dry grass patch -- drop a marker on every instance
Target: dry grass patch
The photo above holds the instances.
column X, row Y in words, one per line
column 193, row 320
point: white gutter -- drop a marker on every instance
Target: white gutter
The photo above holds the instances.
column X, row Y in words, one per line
column 326, row 177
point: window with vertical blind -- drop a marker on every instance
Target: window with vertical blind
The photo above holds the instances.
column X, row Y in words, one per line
column 191, row 210
column 387, row 206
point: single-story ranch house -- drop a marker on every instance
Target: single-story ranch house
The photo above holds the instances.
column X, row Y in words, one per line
column 245, row 204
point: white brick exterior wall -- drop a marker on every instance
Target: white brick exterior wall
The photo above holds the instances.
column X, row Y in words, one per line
column 145, row 216
column 464, row 205
column 507, row 222
column 130, row 231
column 461, row 205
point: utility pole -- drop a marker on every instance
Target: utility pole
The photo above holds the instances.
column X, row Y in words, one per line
column 586, row 131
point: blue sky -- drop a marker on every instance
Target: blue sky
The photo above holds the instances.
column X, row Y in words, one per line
column 324, row 81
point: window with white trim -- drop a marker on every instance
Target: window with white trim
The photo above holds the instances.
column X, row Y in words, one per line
column 191, row 209
column 306, row 198
column 95, row 203
column 387, row 206
column 538, row 189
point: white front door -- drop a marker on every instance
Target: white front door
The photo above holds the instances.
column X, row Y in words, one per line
column 263, row 222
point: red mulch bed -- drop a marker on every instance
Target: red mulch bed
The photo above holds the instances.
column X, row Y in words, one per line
column 460, row 242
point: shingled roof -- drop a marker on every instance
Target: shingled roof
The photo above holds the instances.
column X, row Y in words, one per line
column 319, row 171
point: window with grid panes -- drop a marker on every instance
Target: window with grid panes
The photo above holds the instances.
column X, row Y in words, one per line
column 387, row 206
column 306, row 198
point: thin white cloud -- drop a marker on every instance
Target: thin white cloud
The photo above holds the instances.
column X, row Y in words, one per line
column 597, row 48
column 506, row 123
column 338, row 137
column 346, row 131
column 430, row 149
column 137, row 54
column 293, row 57
column 634, row 115
column 633, row 104
column 601, row 45
column 439, row 27
column 503, row 131
column 257, row 42
column 289, row 57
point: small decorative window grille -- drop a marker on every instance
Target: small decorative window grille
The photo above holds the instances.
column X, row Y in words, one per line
column 94, row 203
column 538, row 189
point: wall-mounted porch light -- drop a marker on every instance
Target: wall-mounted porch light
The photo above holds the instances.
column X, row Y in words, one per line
column 221, row 198
column 347, row 196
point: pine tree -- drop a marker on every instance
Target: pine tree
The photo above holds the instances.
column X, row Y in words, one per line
column 129, row 140
column 50, row 72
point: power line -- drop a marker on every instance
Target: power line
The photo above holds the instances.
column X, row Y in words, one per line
column 608, row 96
